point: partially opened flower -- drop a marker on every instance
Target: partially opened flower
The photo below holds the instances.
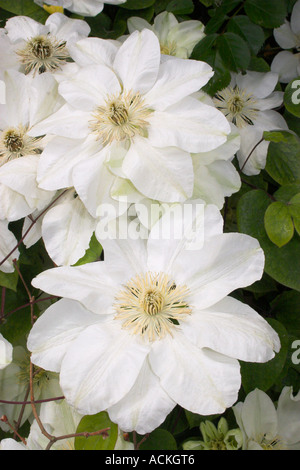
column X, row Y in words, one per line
column 287, row 63
column 138, row 120
column 81, row 7
column 28, row 100
column 42, row 48
column 176, row 39
column 266, row 427
column 152, row 325
column 249, row 103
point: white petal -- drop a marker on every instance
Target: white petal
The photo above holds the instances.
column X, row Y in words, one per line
column 107, row 362
column 272, row 101
column 187, row 34
column 58, row 159
column 288, row 412
column 64, row 243
column 92, row 284
column 17, row 98
column 24, row 27
column 67, row 29
column 259, row 416
column 55, row 330
column 190, row 125
column 93, row 51
column 200, row 381
column 89, row 87
column 137, row 61
column 226, row 262
column 92, row 181
column 66, row 122
column 182, row 227
column 234, row 329
column 13, row 205
column 6, row 348
column 135, row 23
column 177, row 79
column 162, row 174
column 295, row 18
column 163, row 23
column 285, row 63
column 87, row 8
column 259, row 84
column 284, row 36
column 145, row 406
column 216, row 181
column 20, row 175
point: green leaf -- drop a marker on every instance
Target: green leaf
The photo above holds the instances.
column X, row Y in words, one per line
column 180, row 7
column 250, row 32
column 95, row 423
column 220, row 15
column 264, row 375
column 234, row 51
column 136, row 4
column 160, row 439
column 207, row 3
column 282, row 264
column 286, row 308
column 25, row 8
column 278, row 223
column 292, row 97
column 287, row 192
column 9, row 280
column 93, row 253
column 283, row 158
column 266, row 13
column 17, row 323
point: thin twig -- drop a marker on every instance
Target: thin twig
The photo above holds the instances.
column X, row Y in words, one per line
column 254, row 148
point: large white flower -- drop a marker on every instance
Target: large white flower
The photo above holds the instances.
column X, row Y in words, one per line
column 266, row 427
column 137, row 120
column 28, row 100
column 152, row 325
column 287, row 63
column 7, row 243
column 5, row 352
column 176, row 39
column 81, row 7
column 39, row 48
column 249, row 103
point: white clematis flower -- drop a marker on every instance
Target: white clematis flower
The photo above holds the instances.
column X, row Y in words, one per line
column 39, row 48
column 81, row 7
column 287, row 63
column 7, row 243
column 266, row 427
column 28, row 100
column 176, row 39
column 249, row 103
column 152, row 325
column 137, row 120
column 5, row 350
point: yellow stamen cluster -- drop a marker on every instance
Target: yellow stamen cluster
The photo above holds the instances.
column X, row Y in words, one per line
column 237, row 105
column 152, row 305
column 122, row 117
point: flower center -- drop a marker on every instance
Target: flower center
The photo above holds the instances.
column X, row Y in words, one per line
column 122, row 117
column 272, row 444
column 169, row 48
column 43, row 54
column 237, row 105
column 152, row 305
column 15, row 143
